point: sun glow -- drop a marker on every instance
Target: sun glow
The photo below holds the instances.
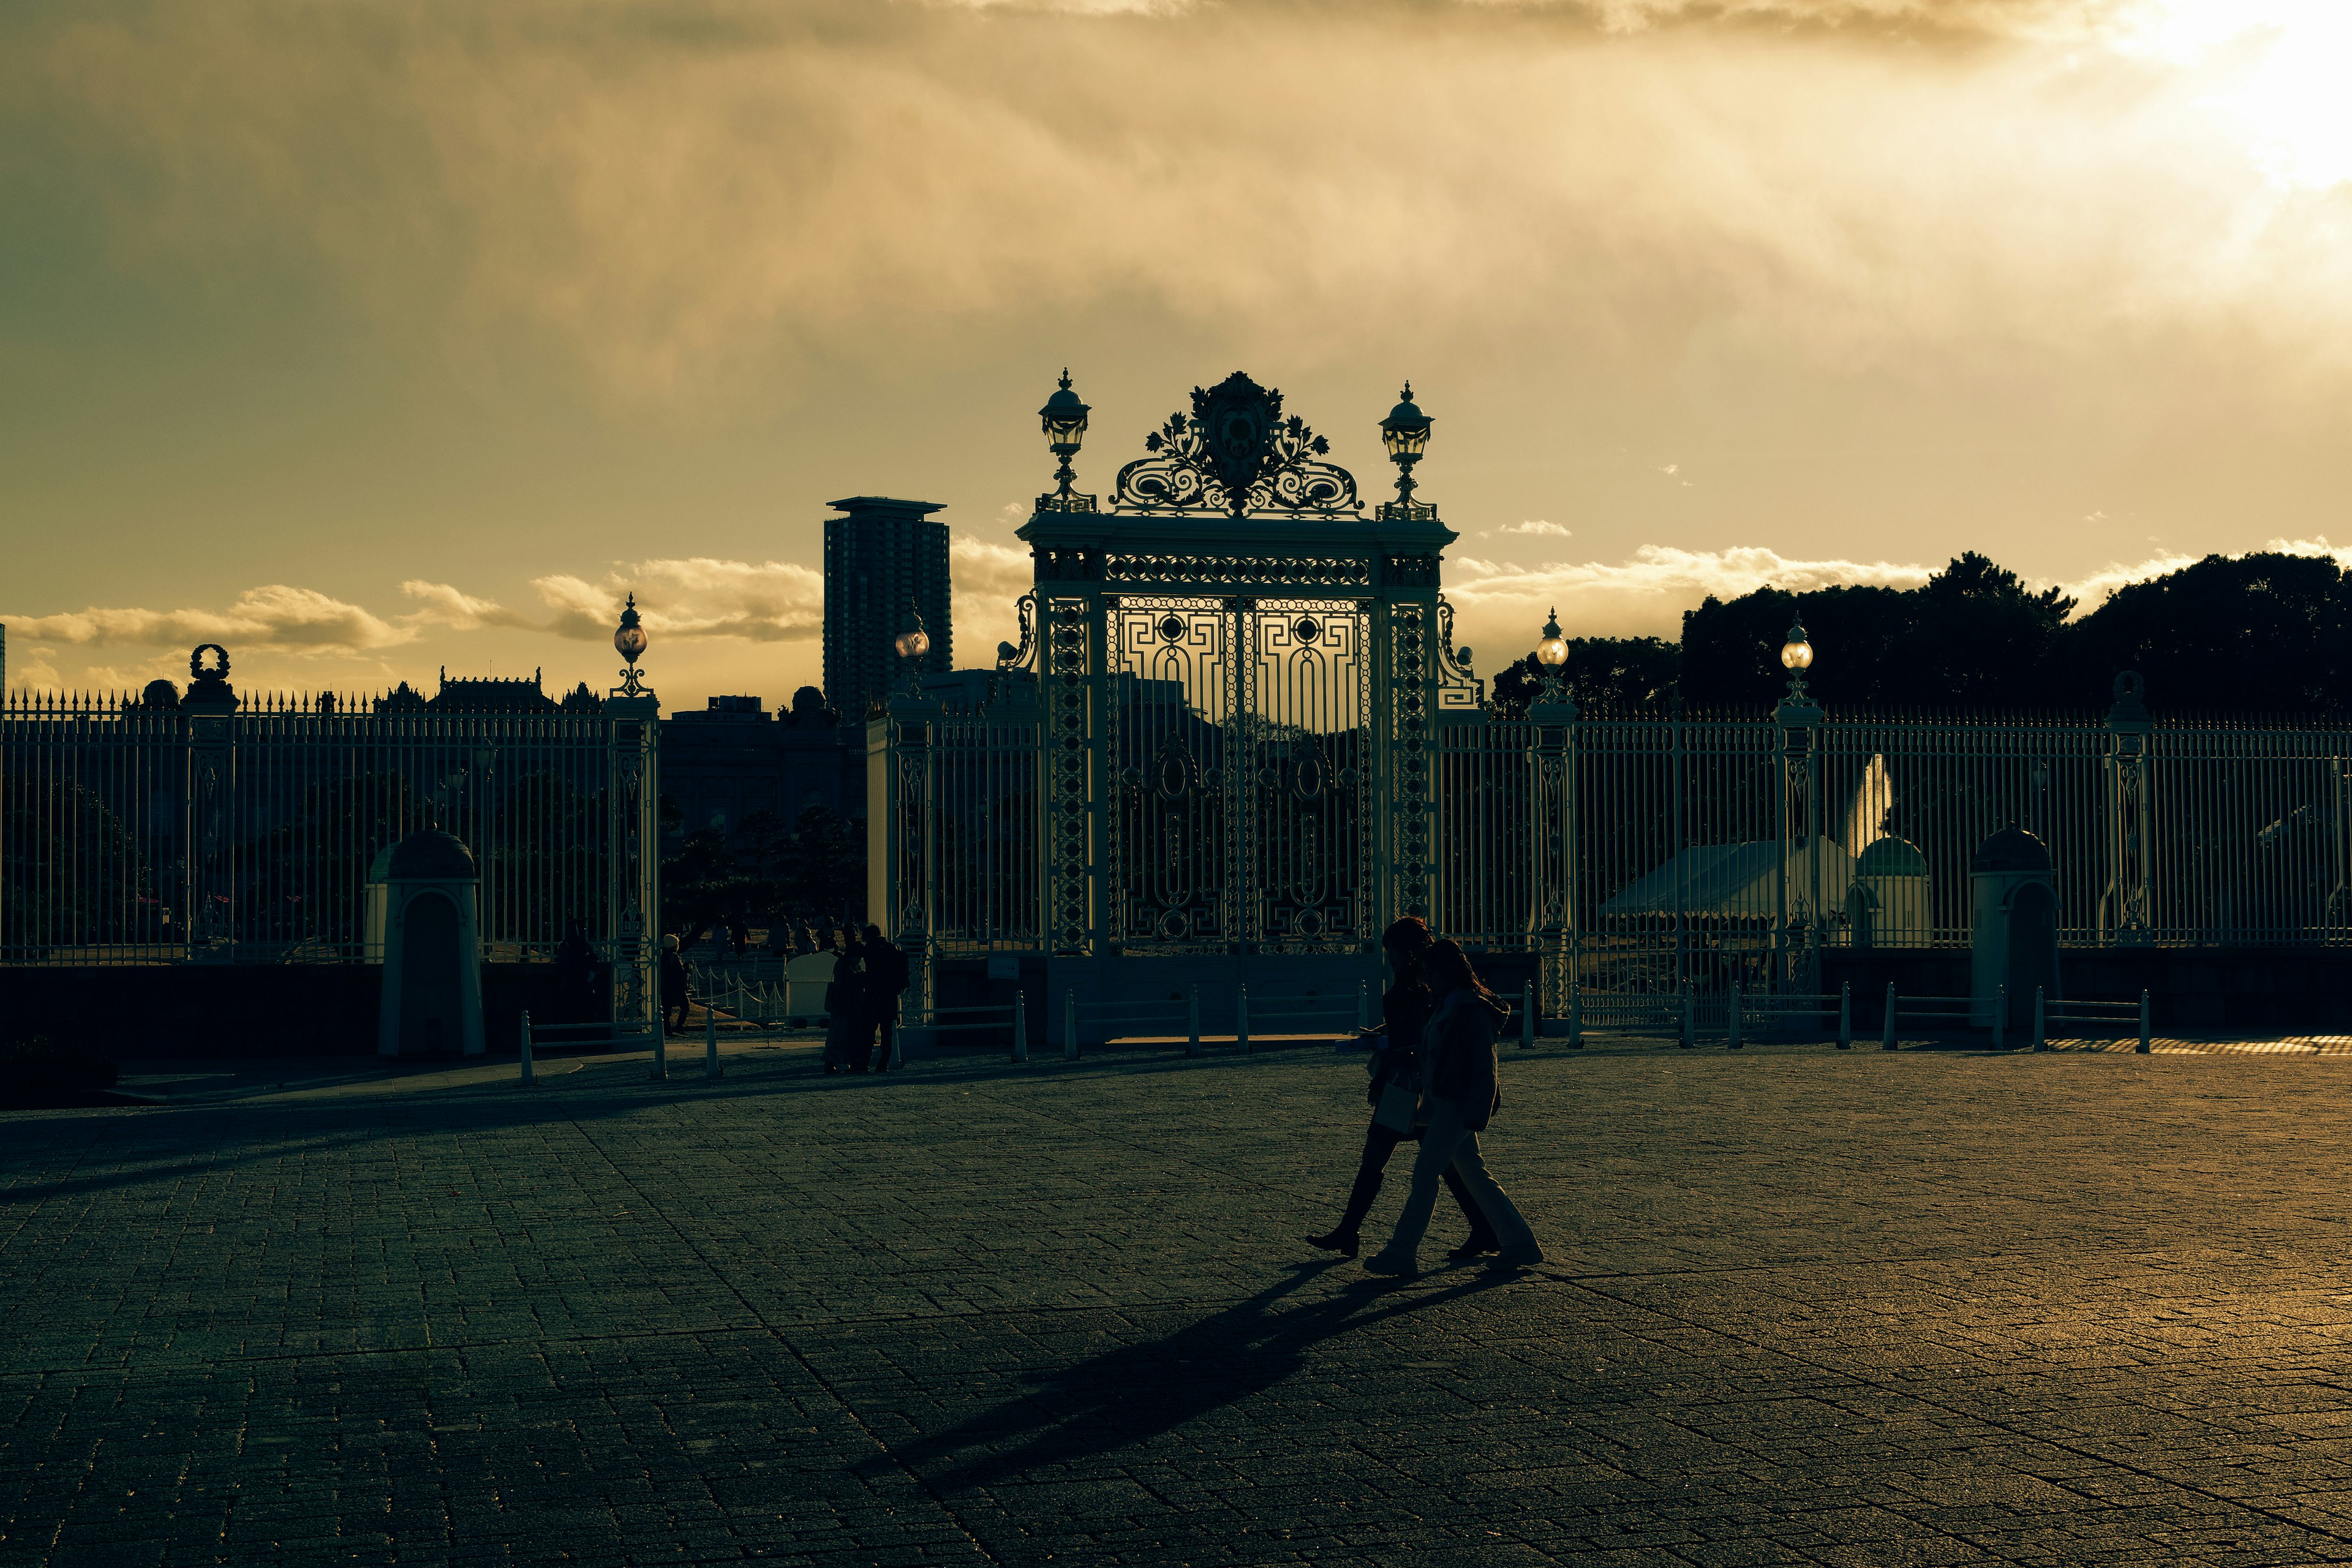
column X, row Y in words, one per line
column 2279, row 68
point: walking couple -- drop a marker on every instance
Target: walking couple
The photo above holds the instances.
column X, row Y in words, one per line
column 1434, row 1081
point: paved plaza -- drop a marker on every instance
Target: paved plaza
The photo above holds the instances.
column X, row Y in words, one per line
column 1801, row 1306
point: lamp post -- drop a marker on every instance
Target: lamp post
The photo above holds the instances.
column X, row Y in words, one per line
column 1799, row 717
column 1405, row 433
column 633, row 887
column 1550, row 843
column 1064, row 418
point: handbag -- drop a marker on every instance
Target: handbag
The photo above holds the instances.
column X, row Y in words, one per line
column 1400, row 1103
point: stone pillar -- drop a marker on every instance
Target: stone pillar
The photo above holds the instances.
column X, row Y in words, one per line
column 208, row 838
column 2124, row 916
column 633, row 893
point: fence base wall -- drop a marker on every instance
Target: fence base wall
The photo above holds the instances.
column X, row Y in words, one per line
column 2191, row 990
column 1145, row 982
column 133, row 1011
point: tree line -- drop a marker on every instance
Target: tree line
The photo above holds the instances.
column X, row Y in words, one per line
column 2263, row 632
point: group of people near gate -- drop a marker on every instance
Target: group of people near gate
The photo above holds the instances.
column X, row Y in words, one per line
column 1435, row 1083
column 861, row 1000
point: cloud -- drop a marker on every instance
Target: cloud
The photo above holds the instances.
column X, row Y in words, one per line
column 605, row 179
column 988, row 578
column 2093, row 589
column 1536, row 529
column 273, row 616
column 693, row 598
column 446, row 605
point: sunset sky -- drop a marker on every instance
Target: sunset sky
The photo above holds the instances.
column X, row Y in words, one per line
column 368, row 338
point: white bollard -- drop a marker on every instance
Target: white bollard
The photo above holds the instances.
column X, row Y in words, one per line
column 1363, row 1008
column 1886, row 1037
column 1527, row 1013
column 1193, row 1021
column 1069, row 1026
column 1575, row 1013
column 1241, row 1017
column 2142, row 1049
column 1689, row 1023
column 896, row 1056
column 709, row 1041
column 1738, row 996
column 661, row 1048
column 1845, row 1016
column 1020, row 1023
column 2000, row 1013
column 526, row 1045
column 2040, row 1023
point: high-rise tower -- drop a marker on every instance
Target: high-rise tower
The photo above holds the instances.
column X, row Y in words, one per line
column 882, row 554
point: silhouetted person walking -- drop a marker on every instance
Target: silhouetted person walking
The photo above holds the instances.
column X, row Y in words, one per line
column 844, row 1005
column 1462, row 1073
column 1404, row 1012
column 673, row 987
column 886, row 982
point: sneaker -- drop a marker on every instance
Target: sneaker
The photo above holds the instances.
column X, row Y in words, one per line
column 1477, row 1247
column 1388, row 1263
column 1525, row 1255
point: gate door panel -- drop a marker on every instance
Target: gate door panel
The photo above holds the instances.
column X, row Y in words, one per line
column 1310, row 823
column 1169, row 708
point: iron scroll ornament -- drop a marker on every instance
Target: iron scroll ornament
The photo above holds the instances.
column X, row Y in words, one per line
column 1235, row 453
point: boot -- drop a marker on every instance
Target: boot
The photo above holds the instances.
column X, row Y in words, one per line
column 1343, row 1237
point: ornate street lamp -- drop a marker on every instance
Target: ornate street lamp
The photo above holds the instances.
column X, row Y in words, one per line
column 1551, row 652
column 1405, row 433
column 912, row 643
column 1065, row 421
column 629, row 641
column 1796, row 657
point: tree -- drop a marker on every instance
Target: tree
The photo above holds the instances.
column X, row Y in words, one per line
column 1973, row 634
column 2263, row 631
column 1602, row 674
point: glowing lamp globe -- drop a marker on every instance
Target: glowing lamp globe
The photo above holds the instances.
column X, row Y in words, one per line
column 1797, row 654
column 629, row 640
column 1552, row 651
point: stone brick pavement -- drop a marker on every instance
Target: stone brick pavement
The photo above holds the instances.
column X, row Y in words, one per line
column 1801, row 1306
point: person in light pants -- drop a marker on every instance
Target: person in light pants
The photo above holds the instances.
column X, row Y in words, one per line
column 1459, row 1054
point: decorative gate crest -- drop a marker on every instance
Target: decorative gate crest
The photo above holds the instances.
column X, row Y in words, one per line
column 1235, row 453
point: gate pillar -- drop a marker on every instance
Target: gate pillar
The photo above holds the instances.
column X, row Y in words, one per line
column 207, row 914
column 2124, row 912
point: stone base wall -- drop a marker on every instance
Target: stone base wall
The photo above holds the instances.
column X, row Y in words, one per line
column 240, row 1010
column 2191, row 990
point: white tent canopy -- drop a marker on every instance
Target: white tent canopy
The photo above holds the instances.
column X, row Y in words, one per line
column 1738, row 881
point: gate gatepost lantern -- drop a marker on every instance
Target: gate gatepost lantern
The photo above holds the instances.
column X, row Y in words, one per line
column 1237, row 665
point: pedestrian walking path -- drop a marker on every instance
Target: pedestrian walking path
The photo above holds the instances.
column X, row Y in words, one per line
column 1800, row 1306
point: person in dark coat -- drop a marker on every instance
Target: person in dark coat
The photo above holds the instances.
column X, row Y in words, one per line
column 1463, row 1089
column 845, row 1029
column 674, row 997
column 575, row 977
column 885, row 981
column 1404, row 1012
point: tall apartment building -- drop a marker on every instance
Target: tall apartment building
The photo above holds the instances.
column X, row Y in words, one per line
column 875, row 558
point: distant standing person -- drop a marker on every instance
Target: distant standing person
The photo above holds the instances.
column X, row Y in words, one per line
column 1404, row 1012
column 844, row 1005
column 575, row 977
column 673, row 987
column 1458, row 1056
column 886, row 982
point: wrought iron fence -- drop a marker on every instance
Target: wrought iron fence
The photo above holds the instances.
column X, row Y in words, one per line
column 126, row 836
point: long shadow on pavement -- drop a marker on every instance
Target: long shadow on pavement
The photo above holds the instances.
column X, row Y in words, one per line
column 1132, row 1395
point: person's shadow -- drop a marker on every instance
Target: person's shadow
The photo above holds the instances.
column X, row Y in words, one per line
column 1134, row 1392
